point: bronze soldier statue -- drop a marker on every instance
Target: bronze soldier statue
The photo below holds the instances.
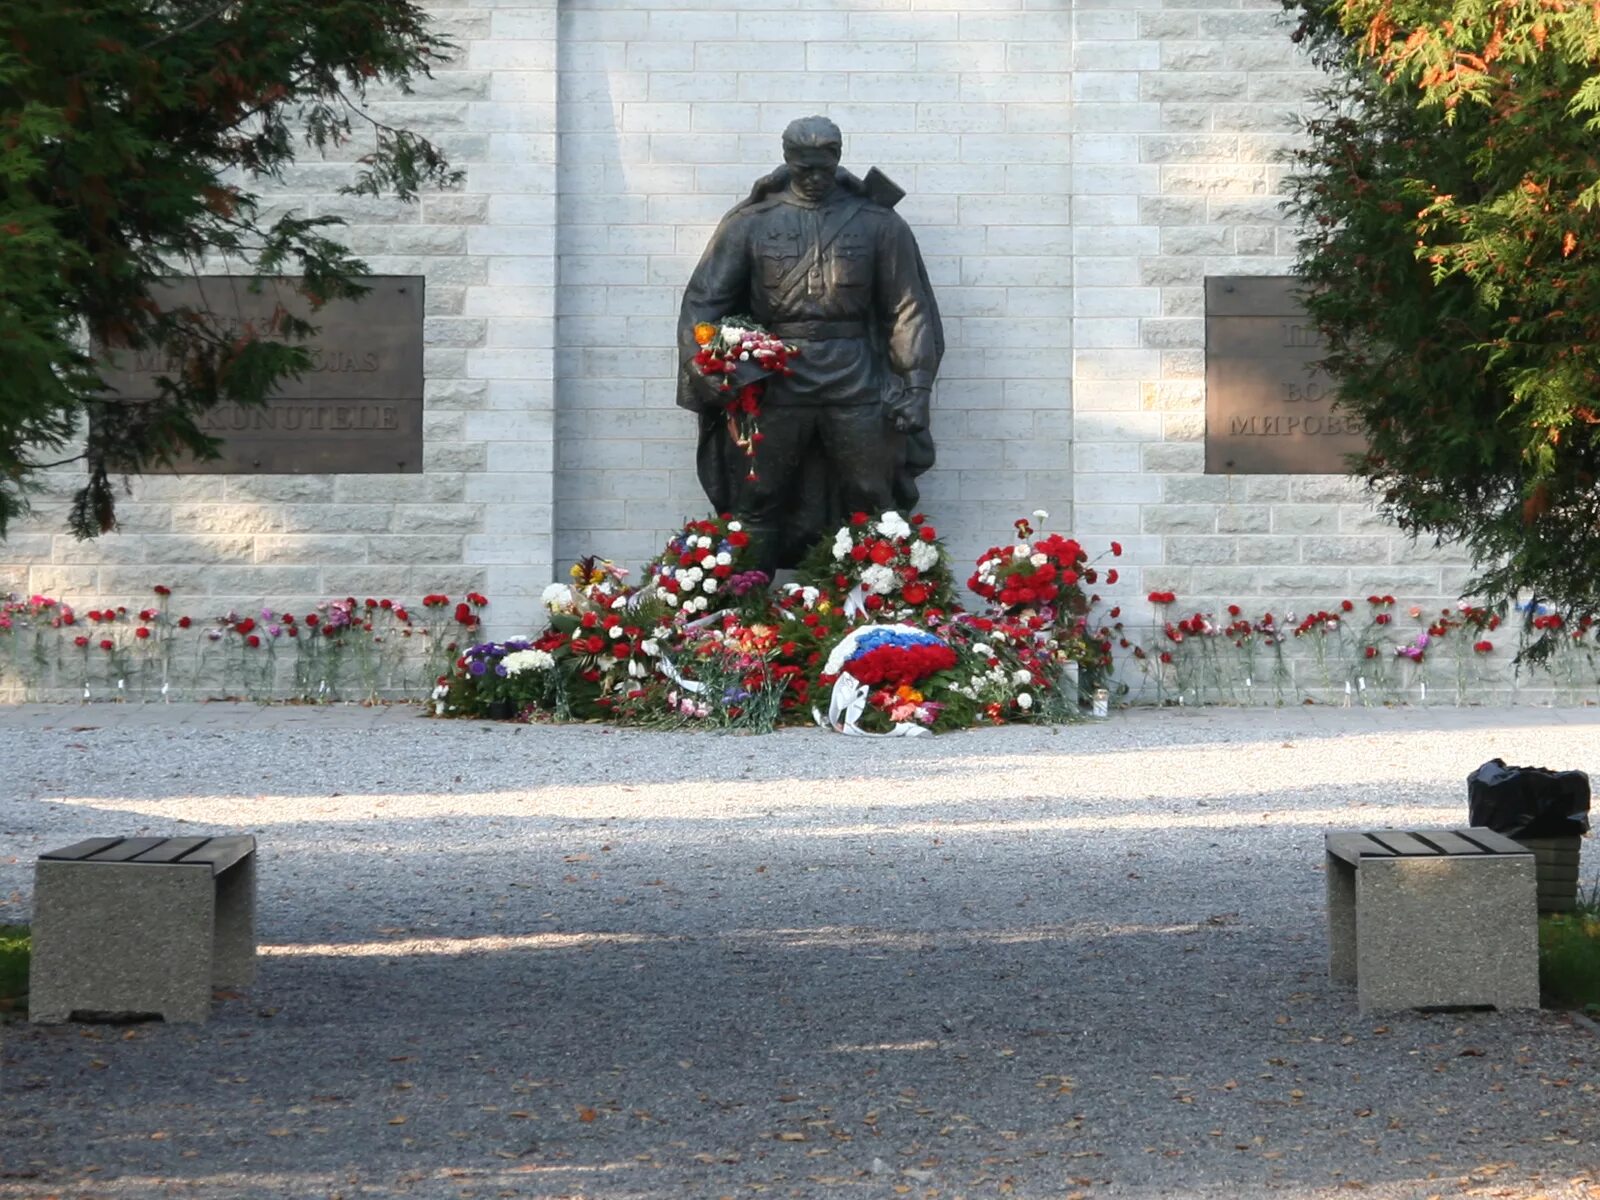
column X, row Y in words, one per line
column 819, row 258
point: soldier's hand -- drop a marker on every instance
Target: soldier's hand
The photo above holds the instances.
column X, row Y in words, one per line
column 910, row 411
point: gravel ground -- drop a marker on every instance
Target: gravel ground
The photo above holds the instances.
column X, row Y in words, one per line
column 577, row 962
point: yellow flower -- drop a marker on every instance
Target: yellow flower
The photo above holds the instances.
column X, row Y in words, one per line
column 703, row 333
column 577, row 572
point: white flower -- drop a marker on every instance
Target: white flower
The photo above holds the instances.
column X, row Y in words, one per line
column 708, row 560
column 893, row 525
column 878, row 579
column 672, row 600
column 1038, row 560
column 614, row 632
column 1040, row 515
column 1021, row 676
column 637, row 669
column 982, row 648
column 1024, row 701
column 1021, row 550
column 923, row 555
column 620, row 602
column 724, row 558
column 650, row 646
column 527, row 660
column 842, row 543
column 734, row 526
column 703, row 542
column 710, row 585
column 732, row 334
column 557, row 596
column 693, row 575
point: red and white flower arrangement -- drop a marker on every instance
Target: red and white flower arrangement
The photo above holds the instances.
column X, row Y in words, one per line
column 737, row 356
column 888, row 568
column 1040, row 576
column 698, row 570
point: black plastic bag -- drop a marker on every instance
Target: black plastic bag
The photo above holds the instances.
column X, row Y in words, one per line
column 1532, row 802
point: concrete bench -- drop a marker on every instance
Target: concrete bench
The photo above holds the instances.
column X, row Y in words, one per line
column 141, row 926
column 1433, row 919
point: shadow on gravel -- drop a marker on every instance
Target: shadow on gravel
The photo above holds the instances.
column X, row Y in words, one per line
column 655, row 1013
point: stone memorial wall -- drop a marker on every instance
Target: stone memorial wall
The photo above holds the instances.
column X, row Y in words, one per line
column 1075, row 173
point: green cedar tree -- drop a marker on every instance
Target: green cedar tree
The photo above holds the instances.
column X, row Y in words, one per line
column 134, row 135
column 1451, row 251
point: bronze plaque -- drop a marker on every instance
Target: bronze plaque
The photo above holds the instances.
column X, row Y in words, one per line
column 357, row 410
column 1269, row 410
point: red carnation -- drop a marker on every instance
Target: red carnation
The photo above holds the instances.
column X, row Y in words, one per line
column 141, row 632
column 858, row 553
column 162, row 590
column 80, row 641
column 1372, row 652
column 185, row 622
column 106, row 644
column 246, row 625
column 882, row 553
column 312, row 619
column 1116, row 549
column 1483, row 647
column 252, row 641
column 915, row 593
column 464, row 614
column 738, row 539
column 1346, row 605
column 1166, row 656
column 1111, row 576
column 927, row 533
column 858, row 518
column 385, row 604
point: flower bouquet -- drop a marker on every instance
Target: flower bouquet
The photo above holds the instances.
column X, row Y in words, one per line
column 1042, row 576
column 707, row 566
column 735, row 358
column 888, row 568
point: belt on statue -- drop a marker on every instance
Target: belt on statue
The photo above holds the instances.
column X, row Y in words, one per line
column 819, row 330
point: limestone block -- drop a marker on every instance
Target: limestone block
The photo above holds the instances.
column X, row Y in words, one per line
column 112, row 937
column 1446, row 931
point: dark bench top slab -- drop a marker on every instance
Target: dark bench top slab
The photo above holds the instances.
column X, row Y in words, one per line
column 1421, row 843
column 217, row 853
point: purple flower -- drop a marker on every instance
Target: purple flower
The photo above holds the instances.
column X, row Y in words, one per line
column 476, row 666
column 746, row 582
